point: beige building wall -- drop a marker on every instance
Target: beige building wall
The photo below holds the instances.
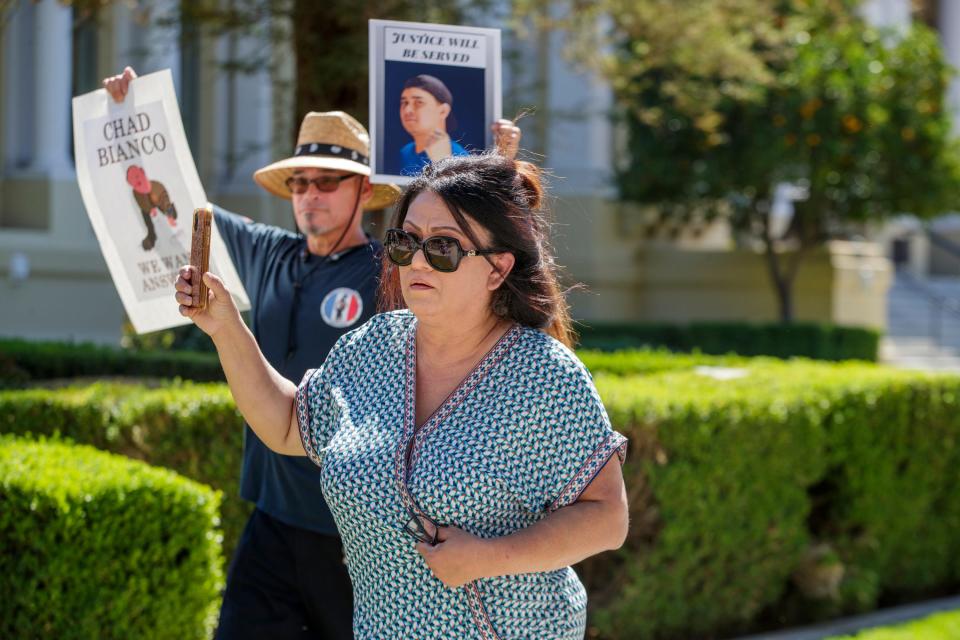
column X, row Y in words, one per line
column 68, row 294
column 861, row 278
column 628, row 278
column 944, row 261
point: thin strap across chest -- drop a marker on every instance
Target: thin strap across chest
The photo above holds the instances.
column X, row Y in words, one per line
column 413, row 436
column 315, row 263
column 298, row 283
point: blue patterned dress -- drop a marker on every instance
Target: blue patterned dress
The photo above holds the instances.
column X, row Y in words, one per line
column 522, row 436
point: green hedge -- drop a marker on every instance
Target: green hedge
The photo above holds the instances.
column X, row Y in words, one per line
column 796, row 491
column 808, row 340
column 649, row 362
column 22, row 361
column 193, row 429
column 99, row 546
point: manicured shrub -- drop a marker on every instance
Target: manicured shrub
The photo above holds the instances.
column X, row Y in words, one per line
column 193, row 429
column 646, row 361
column 808, row 340
column 890, row 500
column 100, row 546
column 22, row 360
column 793, row 492
column 762, row 492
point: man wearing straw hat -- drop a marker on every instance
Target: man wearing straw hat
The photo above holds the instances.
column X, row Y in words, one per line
column 287, row 578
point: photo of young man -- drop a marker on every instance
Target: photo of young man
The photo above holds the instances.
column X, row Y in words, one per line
column 426, row 106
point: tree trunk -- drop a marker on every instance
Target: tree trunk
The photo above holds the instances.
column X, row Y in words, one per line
column 782, row 285
column 782, row 269
column 330, row 44
column 785, row 300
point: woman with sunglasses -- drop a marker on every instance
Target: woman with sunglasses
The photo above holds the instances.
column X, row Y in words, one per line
column 465, row 453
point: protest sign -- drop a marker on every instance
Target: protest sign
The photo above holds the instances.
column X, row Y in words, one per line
column 434, row 91
column 140, row 187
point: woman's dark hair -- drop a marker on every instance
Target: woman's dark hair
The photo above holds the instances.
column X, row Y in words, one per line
column 505, row 197
column 435, row 87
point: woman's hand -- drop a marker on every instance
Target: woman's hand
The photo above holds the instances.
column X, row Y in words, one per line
column 506, row 136
column 117, row 86
column 458, row 557
column 439, row 146
column 220, row 311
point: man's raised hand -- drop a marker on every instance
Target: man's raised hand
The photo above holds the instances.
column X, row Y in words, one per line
column 117, row 86
column 506, row 137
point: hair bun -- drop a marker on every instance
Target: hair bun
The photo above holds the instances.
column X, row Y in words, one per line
column 530, row 182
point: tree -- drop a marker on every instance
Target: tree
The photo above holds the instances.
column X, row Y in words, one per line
column 328, row 39
column 703, row 50
column 755, row 94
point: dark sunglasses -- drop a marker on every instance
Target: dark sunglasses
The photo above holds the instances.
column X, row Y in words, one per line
column 327, row 184
column 414, row 526
column 443, row 253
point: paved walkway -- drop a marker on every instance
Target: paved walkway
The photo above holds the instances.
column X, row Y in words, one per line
column 846, row 626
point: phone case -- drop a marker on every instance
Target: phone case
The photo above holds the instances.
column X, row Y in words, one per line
column 200, row 253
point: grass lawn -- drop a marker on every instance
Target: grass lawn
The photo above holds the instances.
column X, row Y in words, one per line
column 941, row 626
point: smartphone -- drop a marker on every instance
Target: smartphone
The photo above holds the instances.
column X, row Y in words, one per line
column 200, row 253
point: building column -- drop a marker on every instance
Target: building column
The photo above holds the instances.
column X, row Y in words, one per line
column 245, row 131
column 149, row 48
column 949, row 26
column 16, row 120
column 53, row 68
column 253, row 132
column 579, row 134
column 162, row 42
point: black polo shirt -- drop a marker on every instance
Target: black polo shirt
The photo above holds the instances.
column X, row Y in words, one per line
column 300, row 305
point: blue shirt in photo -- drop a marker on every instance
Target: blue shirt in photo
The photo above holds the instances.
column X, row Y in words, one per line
column 412, row 163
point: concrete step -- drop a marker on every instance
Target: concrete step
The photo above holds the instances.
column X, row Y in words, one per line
column 919, row 354
column 919, row 335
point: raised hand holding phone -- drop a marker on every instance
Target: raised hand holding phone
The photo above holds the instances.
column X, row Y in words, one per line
column 200, row 253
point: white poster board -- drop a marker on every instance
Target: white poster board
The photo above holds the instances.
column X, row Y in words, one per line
column 434, row 92
column 140, row 186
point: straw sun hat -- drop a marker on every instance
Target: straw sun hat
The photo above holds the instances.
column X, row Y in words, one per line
column 329, row 140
